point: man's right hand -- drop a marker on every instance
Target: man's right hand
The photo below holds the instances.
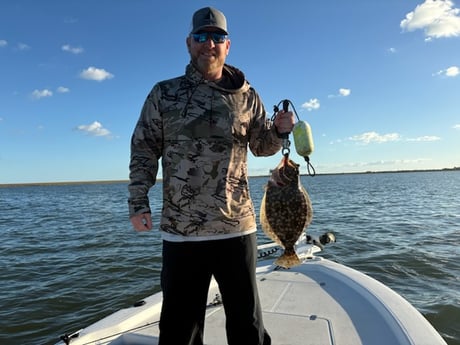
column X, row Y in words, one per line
column 142, row 222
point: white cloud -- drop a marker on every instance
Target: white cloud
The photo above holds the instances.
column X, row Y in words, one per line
column 457, row 126
column 70, row 20
column 3, row 43
column 95, row 129
column 23, row 46
column 391, row 50
column 452, row 71
column 378, row 165
column 344, row 92
column 437, row 18
column 73, row 50
column 374, row 137
column 37, row 94
column 62, row 89
column 397, row 162
column 98, row 74
column 312, row 104
column 425, row 138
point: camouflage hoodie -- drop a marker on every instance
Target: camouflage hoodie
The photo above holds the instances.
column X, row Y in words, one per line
column 201, row 131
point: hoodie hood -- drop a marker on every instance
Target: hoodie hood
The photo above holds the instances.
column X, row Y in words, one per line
column 233, row 80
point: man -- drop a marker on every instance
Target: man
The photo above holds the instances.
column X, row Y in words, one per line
column 201, row 125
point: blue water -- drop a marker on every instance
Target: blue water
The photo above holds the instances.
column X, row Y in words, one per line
column 68, row 254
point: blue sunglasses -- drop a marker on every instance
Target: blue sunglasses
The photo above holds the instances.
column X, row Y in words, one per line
column 203, row 37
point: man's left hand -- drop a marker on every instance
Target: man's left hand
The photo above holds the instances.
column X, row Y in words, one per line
column 284, row 121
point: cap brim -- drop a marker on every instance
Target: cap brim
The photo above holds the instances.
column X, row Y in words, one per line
column 207, row 27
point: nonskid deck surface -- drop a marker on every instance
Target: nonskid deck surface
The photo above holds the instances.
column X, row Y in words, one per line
column 289, row 317
column 317, row 303
column 306, row 305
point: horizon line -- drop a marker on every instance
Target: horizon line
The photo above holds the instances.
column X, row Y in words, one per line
column 61, row 183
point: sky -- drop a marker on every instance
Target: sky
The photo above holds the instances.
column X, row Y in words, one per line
column 377, row 81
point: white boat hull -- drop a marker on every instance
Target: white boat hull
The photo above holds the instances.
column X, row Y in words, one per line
column 319, row 302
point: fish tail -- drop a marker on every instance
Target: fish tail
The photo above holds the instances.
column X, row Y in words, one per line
column 288, row 259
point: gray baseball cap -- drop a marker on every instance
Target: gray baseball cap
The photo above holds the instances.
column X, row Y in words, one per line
column 209, row 17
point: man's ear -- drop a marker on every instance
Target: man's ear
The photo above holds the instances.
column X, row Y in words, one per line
column 187, row 42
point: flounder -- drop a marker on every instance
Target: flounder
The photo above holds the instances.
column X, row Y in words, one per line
column 285, row 210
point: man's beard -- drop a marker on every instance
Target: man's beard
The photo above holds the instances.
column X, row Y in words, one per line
column 205, row 66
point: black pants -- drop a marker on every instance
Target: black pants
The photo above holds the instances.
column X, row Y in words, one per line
column 185, row 277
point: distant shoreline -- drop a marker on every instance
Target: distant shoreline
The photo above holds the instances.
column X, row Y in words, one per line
column 31, row 184
column 64, row 183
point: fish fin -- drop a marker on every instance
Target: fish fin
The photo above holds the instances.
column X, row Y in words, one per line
column 267, row 229
column 288, row 259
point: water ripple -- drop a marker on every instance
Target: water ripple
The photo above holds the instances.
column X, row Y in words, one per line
column 68, row 255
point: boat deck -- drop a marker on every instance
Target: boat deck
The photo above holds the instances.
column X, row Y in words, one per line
column 317, row 303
